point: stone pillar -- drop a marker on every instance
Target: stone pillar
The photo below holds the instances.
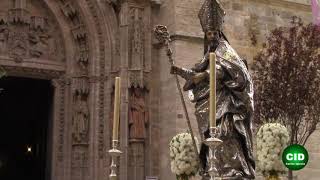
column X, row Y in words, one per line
column 124, row 59
column 135, row 69
column 136, row 159
column 138, row 134
column 58, row 135
column 80, row 129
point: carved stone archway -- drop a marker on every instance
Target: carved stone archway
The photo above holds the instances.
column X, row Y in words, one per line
column 72, row 44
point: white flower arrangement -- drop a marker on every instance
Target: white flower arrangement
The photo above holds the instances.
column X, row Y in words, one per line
column 184, row 158
column 272, row 139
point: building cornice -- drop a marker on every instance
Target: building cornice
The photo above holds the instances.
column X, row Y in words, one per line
column 292, row 4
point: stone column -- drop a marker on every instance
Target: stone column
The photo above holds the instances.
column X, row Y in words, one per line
column 124, row 59
column 59, row 135
column 136, row 159
column 135, row 69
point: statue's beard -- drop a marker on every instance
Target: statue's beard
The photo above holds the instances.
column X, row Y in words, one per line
column 213, row 44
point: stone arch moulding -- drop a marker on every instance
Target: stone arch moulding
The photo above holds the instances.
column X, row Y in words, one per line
column 72, row 43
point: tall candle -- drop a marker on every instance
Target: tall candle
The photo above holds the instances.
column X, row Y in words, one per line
column 212, row 115
column 116, row 110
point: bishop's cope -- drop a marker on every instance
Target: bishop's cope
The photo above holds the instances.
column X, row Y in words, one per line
column 234, row 99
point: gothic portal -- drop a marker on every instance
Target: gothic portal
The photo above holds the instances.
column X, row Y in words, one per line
column 71, row 45
column 75, row 45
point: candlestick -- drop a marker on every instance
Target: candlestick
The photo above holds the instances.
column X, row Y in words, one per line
column 213, row 142
column 116, row 110
column 212, row 115
column 114, row 153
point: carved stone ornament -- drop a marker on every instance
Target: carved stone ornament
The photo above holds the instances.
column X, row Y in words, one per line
column 80, row 117
column 136, row 38
column 24, row 35
column 80, row 127
column 138, row 114
column 156, row 3
column 80, row 120
column 80, row 158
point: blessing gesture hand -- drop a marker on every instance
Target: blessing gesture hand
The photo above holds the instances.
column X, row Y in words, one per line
column 199, row 77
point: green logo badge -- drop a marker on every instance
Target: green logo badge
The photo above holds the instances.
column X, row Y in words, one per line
column 295, row 157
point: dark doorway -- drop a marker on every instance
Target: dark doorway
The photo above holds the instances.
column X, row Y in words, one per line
column 25, row 108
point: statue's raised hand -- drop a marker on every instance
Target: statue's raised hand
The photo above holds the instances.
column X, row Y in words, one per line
column 174, row 69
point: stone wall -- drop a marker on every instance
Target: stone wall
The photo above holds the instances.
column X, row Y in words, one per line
column 246, row 25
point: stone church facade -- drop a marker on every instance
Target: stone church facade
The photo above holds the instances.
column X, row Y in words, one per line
column 82, row 45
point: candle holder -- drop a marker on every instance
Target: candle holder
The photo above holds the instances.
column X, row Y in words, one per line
column 213, row 142
column 114, row 153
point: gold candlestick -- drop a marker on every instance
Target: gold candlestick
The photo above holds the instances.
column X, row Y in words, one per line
column 212, row 115
column 213, row 141
column 114, row 152
column 116, row 110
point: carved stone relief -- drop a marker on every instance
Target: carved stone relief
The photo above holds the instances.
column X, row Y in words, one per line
column 29, row 31
column 138, row 125
column 82, row 54
column 135, row 39
column 80, row 92
column 80, row 120
column 139, row 60
column 82, row 60
column 60, row 86
column 138, row 114
column 4, row 36
column 115, row 63
column 39, row 39
column 80, row 128
column 79, row 33
column 18, row 42
column 26, row 35
column 136, row 30
column 103, row 76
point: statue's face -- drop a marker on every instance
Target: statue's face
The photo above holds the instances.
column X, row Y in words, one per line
column 212, row 35
column 138, row 92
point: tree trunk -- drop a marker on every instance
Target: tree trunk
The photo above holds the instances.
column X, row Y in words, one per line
column 273, row 177
column 293, row 129
column 290, row 175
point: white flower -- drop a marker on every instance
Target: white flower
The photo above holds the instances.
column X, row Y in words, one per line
column 272, row 139
column 184, row 159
